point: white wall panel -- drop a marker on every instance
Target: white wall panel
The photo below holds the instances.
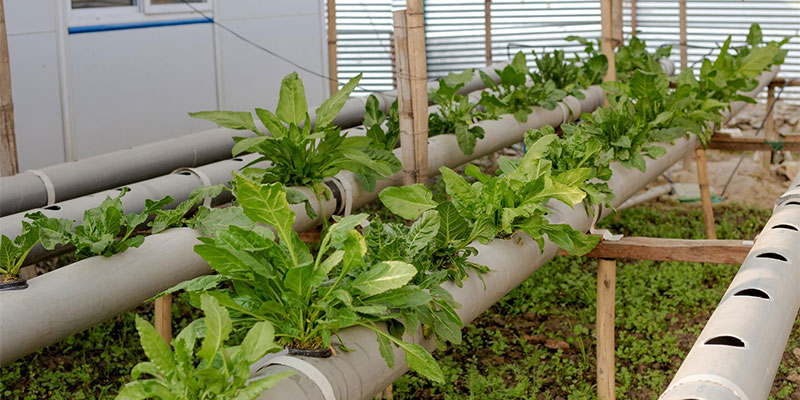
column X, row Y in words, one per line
column 250, row 77
column 37, row 105
column 136, row 86
column 30, row 16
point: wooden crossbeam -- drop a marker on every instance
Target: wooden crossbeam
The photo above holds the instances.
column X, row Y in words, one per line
column 682, row 250
column 726, row 142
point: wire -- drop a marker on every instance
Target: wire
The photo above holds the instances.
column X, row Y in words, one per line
column 763, row 122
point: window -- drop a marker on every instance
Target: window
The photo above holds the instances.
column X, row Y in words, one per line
column 111, row 12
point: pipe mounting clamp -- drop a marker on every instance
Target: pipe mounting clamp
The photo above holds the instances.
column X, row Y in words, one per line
column 204, row 180
column 48, row 185
column 309, row 370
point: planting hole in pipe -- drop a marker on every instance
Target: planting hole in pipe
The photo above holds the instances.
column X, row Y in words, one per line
column 793, row 203
column 184, row 173
column 785, row 226
column 725, row 341
column 753, row 292
column 774, row 256
column 54, row 207
column 237, row 159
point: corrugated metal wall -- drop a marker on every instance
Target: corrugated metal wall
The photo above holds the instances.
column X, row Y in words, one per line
column 455, row 31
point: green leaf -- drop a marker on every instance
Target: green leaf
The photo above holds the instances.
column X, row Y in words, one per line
column 155, row 348
column 259, row 341
column 248, row 144
column 200, row 284
column 218, row 326
column 384, row 276
column 754, row 37
column 239, row 120
column 452, row 227
column 423, row 231
column 209, row 221
column 272, row 123
column 256, row 387
column 385, row 348
column 421, row 362
column 328, row 110
column 146, row 389
column 408, row 201
column 292, row 107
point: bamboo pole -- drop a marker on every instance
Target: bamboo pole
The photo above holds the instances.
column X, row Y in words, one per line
column 606, row 287
column 487, row 16
column 687, row 159
column 607, row 41
column 418, row 69
column 163, row 317
column 633, row 17
column 769, row 126
column 705, row 193
column 616, row 14
column 333, row 66
column 9, row 165
column 404, row 109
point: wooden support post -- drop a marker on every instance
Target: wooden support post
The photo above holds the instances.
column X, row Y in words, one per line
column 606, row 287
column 769, row 126
column 487, row 17
column 687, row 159
column 8, row 141
column 607, row 40
column 333, row 63
column 633, row 17
column 412, row 90
column 705, row 193
column 163, row 317
column 616, row 13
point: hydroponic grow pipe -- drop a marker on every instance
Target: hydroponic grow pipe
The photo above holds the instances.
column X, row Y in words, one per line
column 362, row 374
column 90, row 291
column 46, row 186
column 738, row 352
column 178, row 185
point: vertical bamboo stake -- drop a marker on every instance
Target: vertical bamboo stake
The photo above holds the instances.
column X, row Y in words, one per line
column 333, row 66
column 705, row 193
column 418, row 69
column 606, row 288
column 616, row 14
column 8, row 142
column 487, row 17
column 404, row 97
column 633, row 17
column 687, row 159
column 769, row 126
column 607, row 41
column 163, row 317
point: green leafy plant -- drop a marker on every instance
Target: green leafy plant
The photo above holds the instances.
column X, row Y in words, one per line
column 569, row 76
column 515, row 200
column 302, row 154
column 374, row 119
column 456, row 114
column 213, row 371
column 307, row 297
column 13, row 252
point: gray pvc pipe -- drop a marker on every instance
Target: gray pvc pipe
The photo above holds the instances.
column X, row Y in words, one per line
column 102, row 287
column 28, row 190
column 738, row 352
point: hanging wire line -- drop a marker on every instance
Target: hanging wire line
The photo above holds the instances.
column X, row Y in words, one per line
column 763, row 122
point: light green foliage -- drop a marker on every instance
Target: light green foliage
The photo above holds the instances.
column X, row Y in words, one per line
column 302, row 155
column 212, row 372
column 13, row 252
column 569, row 75
column 307, row 297
column 456, row 115
column 374, row 119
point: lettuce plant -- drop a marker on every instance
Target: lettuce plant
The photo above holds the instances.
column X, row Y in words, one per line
column 302, row 154
column 375, row 119
column 213, row 371
column 456, row 114
column 13, row 252
column 307, row 297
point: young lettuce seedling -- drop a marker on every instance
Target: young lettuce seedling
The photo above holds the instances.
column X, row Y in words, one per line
column 211, row 372
column 456, row 115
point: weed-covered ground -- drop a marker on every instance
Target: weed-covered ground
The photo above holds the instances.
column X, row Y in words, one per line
column 537, row 343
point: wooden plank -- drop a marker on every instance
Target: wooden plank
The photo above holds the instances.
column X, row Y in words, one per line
column 606, row 288
column 163, row 317
column 8, row 142
column 418, row 69
column 784, row 82
column 487, row 28
column 333, row 63
column 616, row 15
column 404, row 97
column 683, row 44
column 633, row 17
column 726, row 142
column 681, row 250
column 769, row 126
column 705, row 193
